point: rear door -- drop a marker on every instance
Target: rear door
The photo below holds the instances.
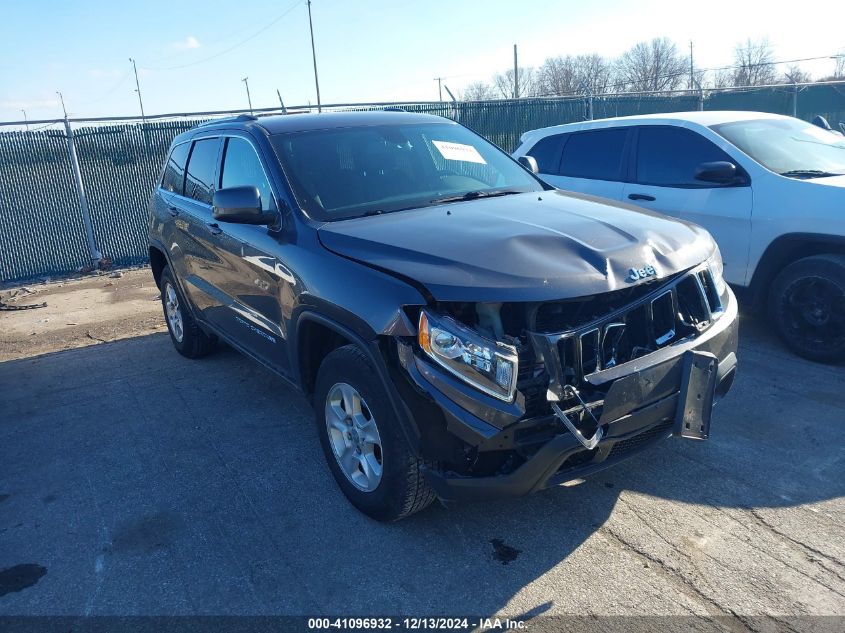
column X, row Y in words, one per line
column 666, row 158
column 197, row 241
column 169, row 204
column 591, row 161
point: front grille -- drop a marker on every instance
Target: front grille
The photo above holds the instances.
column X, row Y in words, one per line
column 640, row 440
column 674, row 312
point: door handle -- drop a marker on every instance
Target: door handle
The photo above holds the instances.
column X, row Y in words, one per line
column 173, row 211
column 215, row 228
column 641, row 196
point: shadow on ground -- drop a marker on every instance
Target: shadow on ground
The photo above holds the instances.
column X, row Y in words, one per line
column 148, row 484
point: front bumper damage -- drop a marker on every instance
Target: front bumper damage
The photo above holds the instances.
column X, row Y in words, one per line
column 666, row 393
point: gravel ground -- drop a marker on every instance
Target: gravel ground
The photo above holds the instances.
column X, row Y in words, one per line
column 134, row 481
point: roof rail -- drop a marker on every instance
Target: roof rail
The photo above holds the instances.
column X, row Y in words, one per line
column 394, row 109
column 240, row 117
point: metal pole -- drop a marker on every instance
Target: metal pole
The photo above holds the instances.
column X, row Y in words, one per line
column 62, row 99
column 691, row 72
column 515, row 75
column 439, row 86
column 700, row 98
column 282, row 103
column 248, row 98
column 314, row 57
column 25, row 122
column 795, row 100
column 138, row 88
column 93, row 251
column 454, row 102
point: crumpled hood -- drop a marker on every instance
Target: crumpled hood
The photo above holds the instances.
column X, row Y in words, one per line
column 526, row 247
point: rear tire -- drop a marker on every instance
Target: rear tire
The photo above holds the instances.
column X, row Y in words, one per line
column 807, row 307
column 186, row 335
column 363, row 444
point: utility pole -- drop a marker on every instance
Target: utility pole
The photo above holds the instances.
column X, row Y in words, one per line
column 439, row 81
column 25, row 122
column 515, row 75
column 691, row 71
column 138, row 88
column 314, row 57
column 248, row 99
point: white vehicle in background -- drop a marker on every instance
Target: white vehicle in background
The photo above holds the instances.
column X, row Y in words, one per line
column 769, row 188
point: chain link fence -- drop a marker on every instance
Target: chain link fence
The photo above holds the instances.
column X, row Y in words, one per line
column 44, row 214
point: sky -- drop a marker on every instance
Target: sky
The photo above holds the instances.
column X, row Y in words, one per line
column 193, row 54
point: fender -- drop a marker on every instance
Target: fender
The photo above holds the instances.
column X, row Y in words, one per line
column 784, row 250
column 373, row 352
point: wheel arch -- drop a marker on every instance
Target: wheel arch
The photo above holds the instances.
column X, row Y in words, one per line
column 784, row 250
column 315, row 335
column 158, row 260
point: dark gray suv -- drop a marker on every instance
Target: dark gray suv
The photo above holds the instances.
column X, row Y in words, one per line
column 462, row 330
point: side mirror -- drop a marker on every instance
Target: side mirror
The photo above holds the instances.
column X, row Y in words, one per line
column 821, row 122
column 241, row 205
column 720, row 172
column 530, row 163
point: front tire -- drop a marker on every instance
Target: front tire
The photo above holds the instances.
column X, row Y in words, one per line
column 807, row 307
column 364, row 447
column 185, row 334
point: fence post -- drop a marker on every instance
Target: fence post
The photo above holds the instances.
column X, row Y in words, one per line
column 701, row 99
column 93, row 251
column 589, row 104
column 795, row 100
column 454, row 103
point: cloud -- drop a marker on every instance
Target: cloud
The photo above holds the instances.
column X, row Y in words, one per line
column 188, row 43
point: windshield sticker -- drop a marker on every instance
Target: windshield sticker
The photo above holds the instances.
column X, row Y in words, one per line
column 459, row 151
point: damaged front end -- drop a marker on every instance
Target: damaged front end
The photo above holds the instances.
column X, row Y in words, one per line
column 539, row 393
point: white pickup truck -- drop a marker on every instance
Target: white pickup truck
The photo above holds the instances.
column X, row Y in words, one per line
column 769, row 188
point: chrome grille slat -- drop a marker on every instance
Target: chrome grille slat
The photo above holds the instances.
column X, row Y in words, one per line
column 688, row 292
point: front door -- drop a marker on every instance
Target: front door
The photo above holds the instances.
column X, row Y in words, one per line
column 666, row 159
column 253, row 281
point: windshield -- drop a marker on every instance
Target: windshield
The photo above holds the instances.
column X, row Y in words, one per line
column 349, row 172
column 788, row 146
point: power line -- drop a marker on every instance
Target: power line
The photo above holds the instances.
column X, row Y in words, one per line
column 234, row 46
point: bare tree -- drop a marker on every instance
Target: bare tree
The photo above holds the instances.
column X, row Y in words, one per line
column 558, row 76
column 755, row 64
column 574, row 75
column 479, row 91
column 594, row 72
column 839, row 69
column 795, row 75
column 652, row 66
column 528, row 85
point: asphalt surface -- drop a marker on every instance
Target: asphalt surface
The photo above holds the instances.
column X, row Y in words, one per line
column 134, row 481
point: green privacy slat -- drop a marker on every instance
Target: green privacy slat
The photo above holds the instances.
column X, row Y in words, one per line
column 41, row 229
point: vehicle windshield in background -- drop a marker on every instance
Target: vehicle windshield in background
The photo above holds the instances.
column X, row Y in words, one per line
column 788, row 146
column 350, row 172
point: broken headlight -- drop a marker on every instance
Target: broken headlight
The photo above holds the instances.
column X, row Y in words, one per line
column 487, row 365
column 717, row 270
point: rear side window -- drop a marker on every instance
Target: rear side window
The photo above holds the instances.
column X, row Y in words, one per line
column 242, row 168
column 547, row 153
column 174, row 171
column 668, row 156
column 199, row 183
column 596, row 154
